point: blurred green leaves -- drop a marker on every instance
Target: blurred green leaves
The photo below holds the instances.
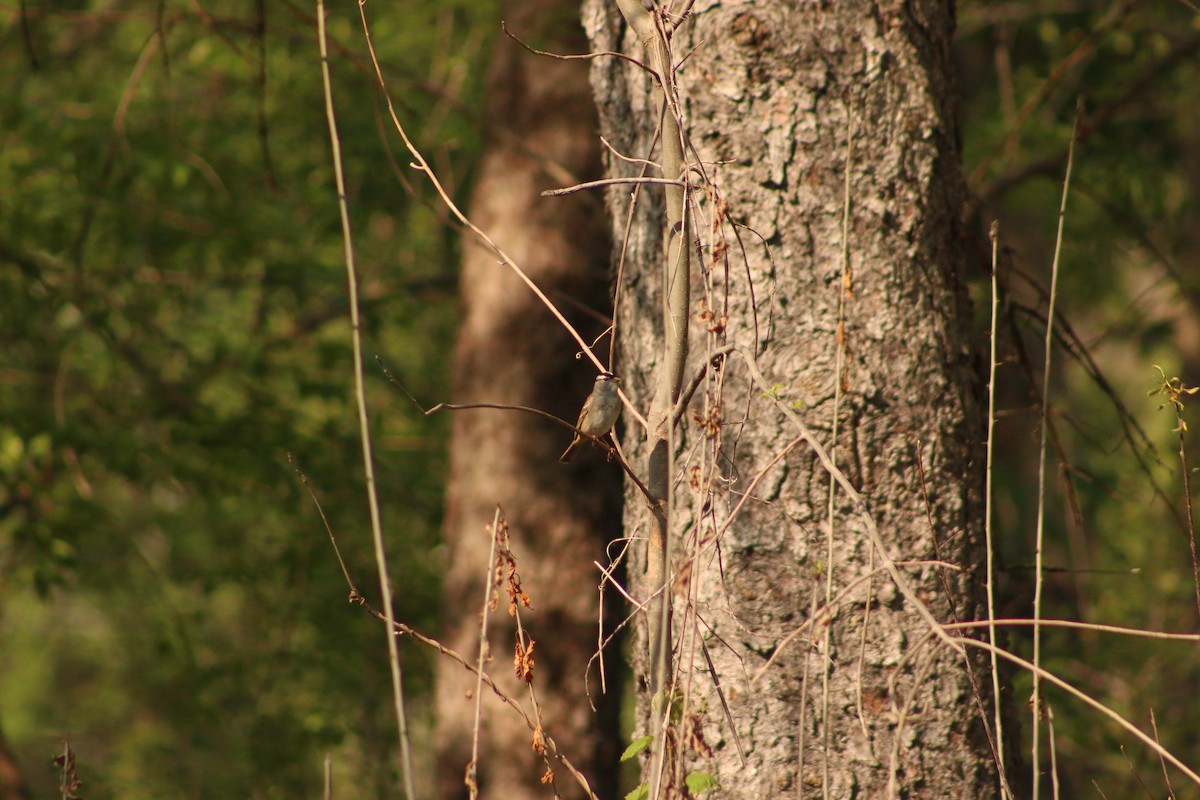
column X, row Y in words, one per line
column 173, row 308
column 1116, row 540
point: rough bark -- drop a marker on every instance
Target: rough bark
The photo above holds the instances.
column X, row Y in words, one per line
column 772, row 94
column 510, row 350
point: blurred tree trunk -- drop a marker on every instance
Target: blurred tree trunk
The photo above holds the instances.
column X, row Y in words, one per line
column 797, row 111
column 12, row 780
column 510, row 350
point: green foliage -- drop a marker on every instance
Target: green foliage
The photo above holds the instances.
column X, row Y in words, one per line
column 1116, row 538
column 640, row 792
column 1175, row 391
column 699, row 783
column 636, row 747
column 173, row 307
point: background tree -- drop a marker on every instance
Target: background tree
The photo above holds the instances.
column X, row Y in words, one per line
column 512, row 351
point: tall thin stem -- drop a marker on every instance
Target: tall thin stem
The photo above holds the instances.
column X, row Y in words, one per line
column 364, row 426
column 987, row 518
column 1041, row 511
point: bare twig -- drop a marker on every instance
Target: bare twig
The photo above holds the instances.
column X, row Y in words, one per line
column 399, row 627
column 600, row 639
column 325, row 521
column 1049, row 677
column 1093, row 627
column 576, row 56
column 527, row 410
column 716, row 680
column 628, row 159
column 580, row 187
column 987, row 518
column 421, row 164
column 685, row 396
column 473, row 768
column 1045, row 410
column 551, row 744
column 845, row 288
column 1161, row 762
column 385, row 586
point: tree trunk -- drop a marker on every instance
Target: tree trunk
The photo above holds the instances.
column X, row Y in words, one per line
column 511, row 351
column 12, row 780
column 802, row 114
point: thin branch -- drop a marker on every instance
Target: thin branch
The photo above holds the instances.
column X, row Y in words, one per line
column 422, row 165
column 473, row 767
column 364, row 424
column 576, row 56
column 845, row 288
column 328, row 529
column 628, row 159
column 528, row 410
column 1041, row 512
column 580, row 187
column 399, row 627
column 716, row 681
column 551, row 744
column 989, row 547
column 685, row 397
column 1088, row 700
column 1091, row 627
column 675, row 296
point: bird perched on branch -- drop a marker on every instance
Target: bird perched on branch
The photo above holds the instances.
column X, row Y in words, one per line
column 599, row 413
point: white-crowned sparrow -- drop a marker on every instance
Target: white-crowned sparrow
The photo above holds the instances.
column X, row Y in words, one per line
column 599, row 412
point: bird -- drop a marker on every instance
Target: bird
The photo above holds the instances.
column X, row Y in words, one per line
column 598, row 415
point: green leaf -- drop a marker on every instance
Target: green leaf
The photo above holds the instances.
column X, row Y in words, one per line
column 700, row 782
column 636, row 746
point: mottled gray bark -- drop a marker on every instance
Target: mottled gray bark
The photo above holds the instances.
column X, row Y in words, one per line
column 511, row 350
column 858, row 324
